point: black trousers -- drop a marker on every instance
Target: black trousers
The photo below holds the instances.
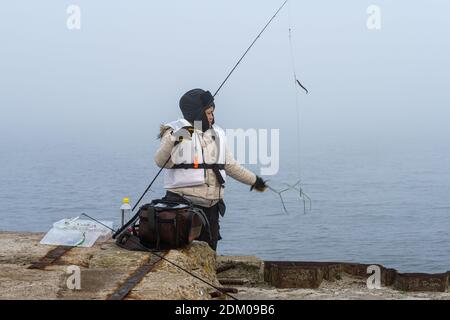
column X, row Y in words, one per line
column 211, row 236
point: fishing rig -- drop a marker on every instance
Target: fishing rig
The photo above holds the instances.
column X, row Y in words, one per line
column 295, row 187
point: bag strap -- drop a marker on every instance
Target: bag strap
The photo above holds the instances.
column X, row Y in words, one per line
column 158, row 239
column 203, row 218
column 173, row 199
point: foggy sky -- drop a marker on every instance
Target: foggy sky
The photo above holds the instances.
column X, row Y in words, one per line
column 115, row 80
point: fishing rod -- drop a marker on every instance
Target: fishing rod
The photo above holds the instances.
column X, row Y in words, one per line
column 248, row 49
column 134, row 218
column 165, row 259
column 120, row 230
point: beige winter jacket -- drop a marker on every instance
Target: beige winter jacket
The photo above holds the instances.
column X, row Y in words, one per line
column 211, row 192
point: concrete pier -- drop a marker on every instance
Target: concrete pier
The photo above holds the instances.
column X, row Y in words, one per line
column 105, row 268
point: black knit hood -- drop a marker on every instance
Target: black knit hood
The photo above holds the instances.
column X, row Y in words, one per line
column 193, row 105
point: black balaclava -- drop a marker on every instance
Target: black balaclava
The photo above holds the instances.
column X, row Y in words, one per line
column 193, row 105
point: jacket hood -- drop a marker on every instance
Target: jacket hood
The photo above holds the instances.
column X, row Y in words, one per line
column 162, row 130
column 194, row 103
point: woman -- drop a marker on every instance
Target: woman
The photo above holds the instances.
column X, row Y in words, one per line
column 200, row 161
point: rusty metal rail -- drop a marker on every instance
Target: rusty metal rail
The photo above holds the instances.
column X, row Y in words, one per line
column 51, row 257
column 233, row 282
column 225, row 267
column 124, row 289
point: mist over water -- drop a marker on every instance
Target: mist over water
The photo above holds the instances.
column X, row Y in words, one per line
column 375, row 206
column 80, row 111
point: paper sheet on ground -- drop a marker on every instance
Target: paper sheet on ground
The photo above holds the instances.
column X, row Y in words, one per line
column 77, row 233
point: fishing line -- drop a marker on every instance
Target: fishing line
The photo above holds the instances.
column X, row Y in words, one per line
column 297, row 186
column 120, row 230
column 210, row 101
column 294, row 73
column 134, row 218
column 165, row 259
column 248, row 49
column 126, row 225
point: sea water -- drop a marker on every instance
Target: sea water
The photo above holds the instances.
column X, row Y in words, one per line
column 386, row 205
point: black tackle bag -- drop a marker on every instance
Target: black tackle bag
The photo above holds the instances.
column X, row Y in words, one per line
column 164, row 224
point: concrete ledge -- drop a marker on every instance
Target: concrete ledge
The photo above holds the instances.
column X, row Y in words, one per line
column 300, row 274
column 421, row 282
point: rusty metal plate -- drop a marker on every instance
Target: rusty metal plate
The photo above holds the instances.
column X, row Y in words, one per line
column 51, row 257
column 137, row 276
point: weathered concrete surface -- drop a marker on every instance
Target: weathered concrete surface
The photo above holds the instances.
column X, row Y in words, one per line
column 283, row 274
column 421, row 282
column 105, row 267
column 247, row 268
column 17, row 282
column 21, row 248
column 17, row 252
column 169, row 282
column 347, row 288
column 338, row 281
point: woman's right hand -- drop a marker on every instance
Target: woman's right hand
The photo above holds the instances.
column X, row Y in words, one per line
column 259, row 185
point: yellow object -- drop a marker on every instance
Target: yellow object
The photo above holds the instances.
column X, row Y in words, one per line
column 125, row 200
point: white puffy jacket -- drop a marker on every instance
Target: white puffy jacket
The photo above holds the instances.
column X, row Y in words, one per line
column 211, row 192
